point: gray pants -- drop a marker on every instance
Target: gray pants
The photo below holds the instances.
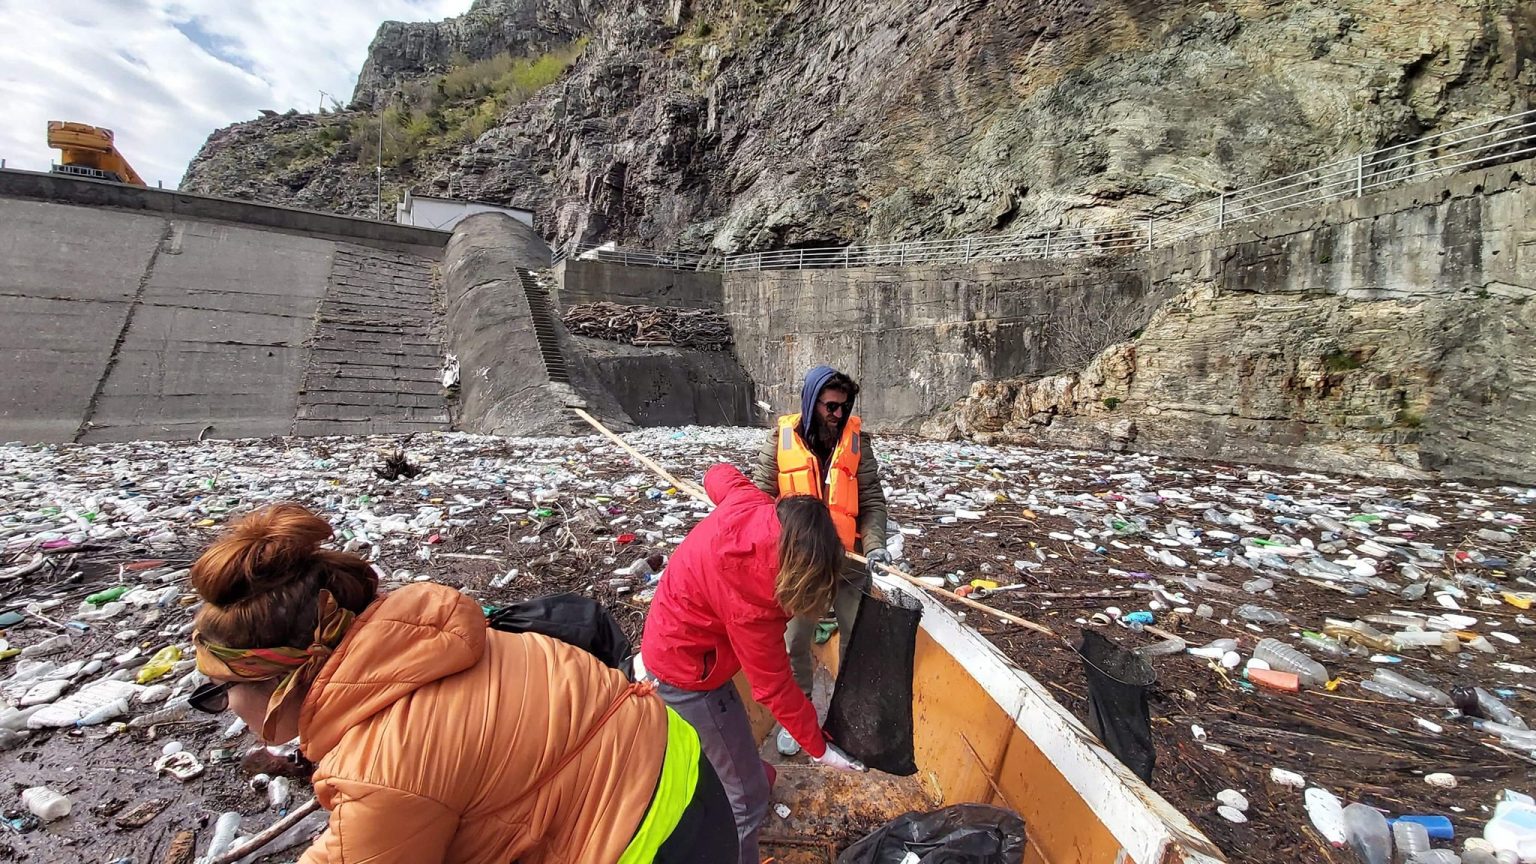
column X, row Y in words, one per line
column 725, row 734
column 801, row 631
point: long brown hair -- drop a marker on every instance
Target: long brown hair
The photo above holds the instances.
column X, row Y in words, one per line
column 810, row 556
column 260, row 581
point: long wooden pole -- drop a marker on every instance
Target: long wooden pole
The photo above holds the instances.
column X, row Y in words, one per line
column 691, row 488
column 697, row 492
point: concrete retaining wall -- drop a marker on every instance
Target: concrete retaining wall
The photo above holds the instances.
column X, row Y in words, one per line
column 581, row 281
column 120, row 325
column 916, row 337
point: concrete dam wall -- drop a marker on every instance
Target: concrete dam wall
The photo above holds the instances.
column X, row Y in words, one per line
column 122, row 319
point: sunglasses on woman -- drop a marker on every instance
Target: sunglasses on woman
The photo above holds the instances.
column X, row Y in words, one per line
column 211, row 698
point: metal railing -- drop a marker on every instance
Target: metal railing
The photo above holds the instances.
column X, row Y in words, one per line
column 1476, row 145
column 631, row 257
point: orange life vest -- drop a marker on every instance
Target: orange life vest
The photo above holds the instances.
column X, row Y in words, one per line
column 800, row 474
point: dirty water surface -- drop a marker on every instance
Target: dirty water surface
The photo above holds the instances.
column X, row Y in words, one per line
column 507, row 519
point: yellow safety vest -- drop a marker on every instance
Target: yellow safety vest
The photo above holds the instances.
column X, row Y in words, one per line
column 800, row 474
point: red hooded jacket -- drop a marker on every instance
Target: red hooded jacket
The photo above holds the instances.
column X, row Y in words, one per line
column 714, row 612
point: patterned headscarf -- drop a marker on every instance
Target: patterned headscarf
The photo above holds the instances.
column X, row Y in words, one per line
column 297, row 667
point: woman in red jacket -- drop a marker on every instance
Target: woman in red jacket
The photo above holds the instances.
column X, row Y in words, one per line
column 728, row 593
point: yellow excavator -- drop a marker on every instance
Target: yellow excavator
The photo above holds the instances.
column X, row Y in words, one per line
column 88, row 151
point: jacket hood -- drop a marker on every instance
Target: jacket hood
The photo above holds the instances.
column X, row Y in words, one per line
column 815, row 379
column 402, row 642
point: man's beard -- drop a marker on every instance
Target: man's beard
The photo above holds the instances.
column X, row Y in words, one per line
column 824, row 435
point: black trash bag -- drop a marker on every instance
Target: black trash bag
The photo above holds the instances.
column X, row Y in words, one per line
column 958, row 834
column 1117, row 701
column 871, row 712
column 571, row 618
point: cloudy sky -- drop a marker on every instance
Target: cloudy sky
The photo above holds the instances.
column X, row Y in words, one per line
column 162, row 74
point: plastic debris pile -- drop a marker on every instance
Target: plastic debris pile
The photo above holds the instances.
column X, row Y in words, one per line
column 1335, row 638
column 645, row 326
column 1332, row 637
column 96, row 734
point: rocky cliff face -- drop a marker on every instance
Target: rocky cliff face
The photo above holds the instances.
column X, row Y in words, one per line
column 757, row 124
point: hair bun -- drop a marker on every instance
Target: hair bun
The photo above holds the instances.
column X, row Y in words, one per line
column 262, row 551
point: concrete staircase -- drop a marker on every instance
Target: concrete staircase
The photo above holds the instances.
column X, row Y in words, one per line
column 544, row 328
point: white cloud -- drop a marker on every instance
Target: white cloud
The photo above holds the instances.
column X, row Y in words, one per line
column 163, row 74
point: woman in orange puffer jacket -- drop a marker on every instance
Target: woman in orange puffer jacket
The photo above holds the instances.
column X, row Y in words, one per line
column 435, row 738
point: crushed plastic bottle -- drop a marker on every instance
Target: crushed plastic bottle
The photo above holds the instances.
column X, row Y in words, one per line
column 159, row 664
column 1418, row 690
column 224, row 831
column 1408, row 839
column 1215, row 649
column 1367, row 832
column 1260, row 615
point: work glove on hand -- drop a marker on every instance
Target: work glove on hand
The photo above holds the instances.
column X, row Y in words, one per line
column 836, row 758
column 878, row 556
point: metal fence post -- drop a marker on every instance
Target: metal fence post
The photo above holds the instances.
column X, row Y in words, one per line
column 1047, row 252
column 1359, row 175
column 967, row 250
column 1221, row 210
column 1149, row 232
column 800, row 265
column 901, row 254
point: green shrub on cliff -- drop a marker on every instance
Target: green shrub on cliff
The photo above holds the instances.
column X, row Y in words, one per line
column 452, row 109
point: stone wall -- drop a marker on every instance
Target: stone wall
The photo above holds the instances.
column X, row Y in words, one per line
column 1390, row 335
column 916, row 337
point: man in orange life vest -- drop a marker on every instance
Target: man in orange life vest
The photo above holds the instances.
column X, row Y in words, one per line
column 822, row 451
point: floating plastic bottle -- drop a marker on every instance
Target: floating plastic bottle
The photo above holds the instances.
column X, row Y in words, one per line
column 1260, row 615
column 279, row 791
column 224, row 831
column 103, row 597
column 1360, row 633
column 1408, row 839
column 1418, row 690
column 1435, row 856
column 1366, row 830
column 1284, row 658
column 1214, row 649
column 1495, row 709
column 173, row 711
column 1410, row 639
column 1388, row 690
column 1324, row 645
column 45, row 803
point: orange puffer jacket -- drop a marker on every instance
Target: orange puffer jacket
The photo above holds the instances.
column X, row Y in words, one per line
column 428, row 730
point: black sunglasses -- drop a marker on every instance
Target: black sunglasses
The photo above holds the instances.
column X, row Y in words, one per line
column 211, row 698
column 835, row 407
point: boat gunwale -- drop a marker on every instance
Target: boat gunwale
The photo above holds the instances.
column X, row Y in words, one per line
column 1148, row 828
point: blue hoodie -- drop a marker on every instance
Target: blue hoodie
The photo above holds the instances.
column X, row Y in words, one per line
column 815, row 380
